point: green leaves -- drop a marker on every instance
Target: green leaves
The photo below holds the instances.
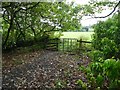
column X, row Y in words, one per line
column 33, row 20
column 112, row 68
column 81, row 84
column 100, row 72
column 100, row 80
column 108, row 47
column 96, row 68
column 105, row 39
column 60, row 84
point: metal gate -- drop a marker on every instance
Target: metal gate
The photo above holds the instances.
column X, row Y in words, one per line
column 67, row 45
column 74, row 45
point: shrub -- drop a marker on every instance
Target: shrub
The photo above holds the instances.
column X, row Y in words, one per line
column 104, row 74
column 105, row 38
column 104, row 71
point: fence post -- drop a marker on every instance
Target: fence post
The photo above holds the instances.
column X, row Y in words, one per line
column 57, row 42
column 63, row 44
column 71, row 45
column 80, row 44
column 68, row 45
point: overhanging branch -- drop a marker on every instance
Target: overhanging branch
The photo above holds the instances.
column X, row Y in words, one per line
column 27, row 8
column 7, row 20
column 110, row 12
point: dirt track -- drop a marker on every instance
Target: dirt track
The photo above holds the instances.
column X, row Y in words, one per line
column 44, row 71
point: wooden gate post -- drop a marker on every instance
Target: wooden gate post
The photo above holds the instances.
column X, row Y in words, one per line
column 71, row 44
column 63, row 44
column 68, row 45
column 80, row 44
column 57, row 43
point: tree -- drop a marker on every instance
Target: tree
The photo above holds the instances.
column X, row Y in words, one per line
column 105, row 38
column 29, row 21
column 104, row 70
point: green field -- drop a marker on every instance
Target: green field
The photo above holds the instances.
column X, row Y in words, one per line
column 74, row 45
column 87, row 36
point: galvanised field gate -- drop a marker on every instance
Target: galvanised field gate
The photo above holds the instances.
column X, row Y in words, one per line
column 74, row 45
column 66, row 45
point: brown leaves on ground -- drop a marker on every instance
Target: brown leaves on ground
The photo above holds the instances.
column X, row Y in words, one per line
column 42, row 69
column 13, row 59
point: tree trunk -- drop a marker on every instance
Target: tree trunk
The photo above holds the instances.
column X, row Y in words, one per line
column 9, row 29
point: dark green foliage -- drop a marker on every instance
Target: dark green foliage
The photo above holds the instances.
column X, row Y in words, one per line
column 105, row 39
column 36, row 21
column 104, row 70
column 81, row 84
column 103, row 75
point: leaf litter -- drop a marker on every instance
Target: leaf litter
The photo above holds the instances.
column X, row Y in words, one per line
column 42, row 69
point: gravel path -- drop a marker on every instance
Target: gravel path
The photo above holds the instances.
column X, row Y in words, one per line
column 43, row 71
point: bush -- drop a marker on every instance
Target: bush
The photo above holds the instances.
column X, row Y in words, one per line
column 104, row 71
column 104, row 74
column 105, row 39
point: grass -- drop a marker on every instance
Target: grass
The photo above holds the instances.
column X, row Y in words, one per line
column 87, row 36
